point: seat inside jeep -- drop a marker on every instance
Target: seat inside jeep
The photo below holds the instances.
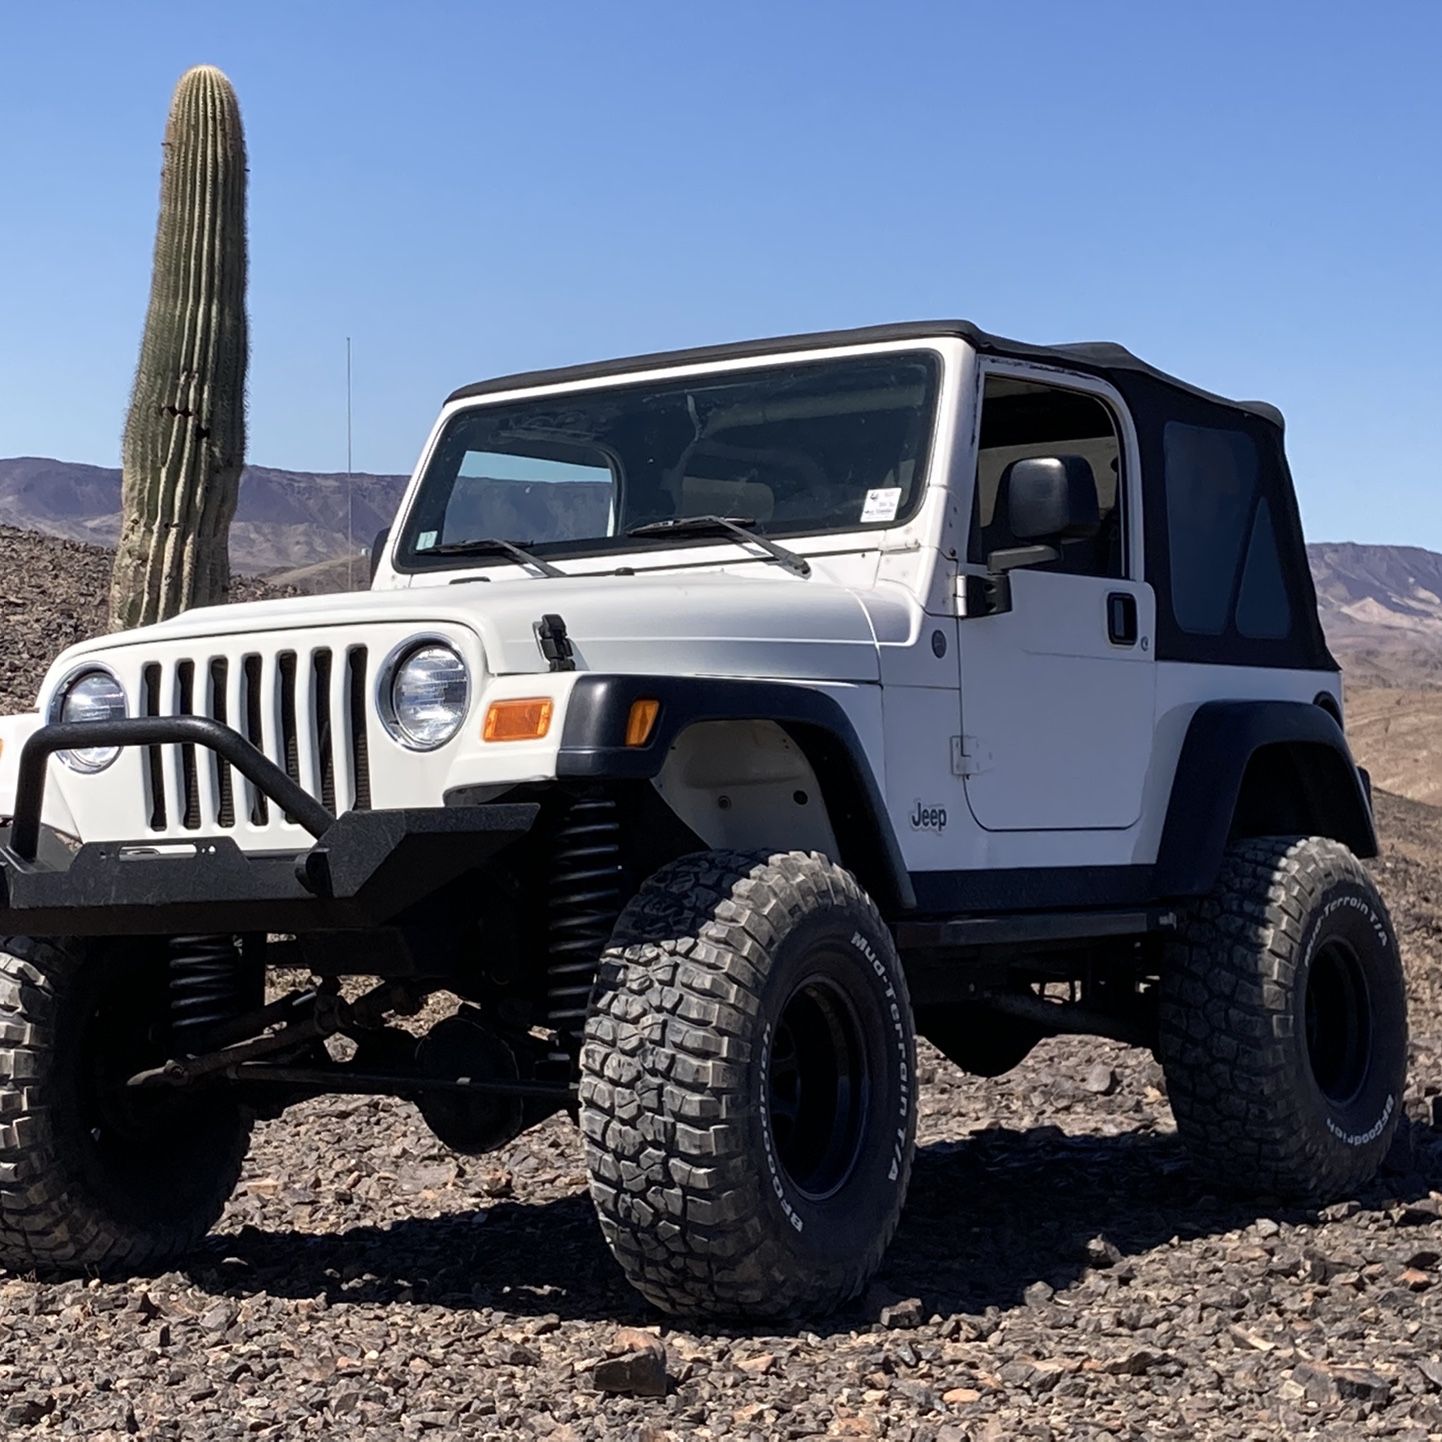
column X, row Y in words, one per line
column 1021, row 419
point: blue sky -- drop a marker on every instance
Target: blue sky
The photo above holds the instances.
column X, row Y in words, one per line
column 1247, row 194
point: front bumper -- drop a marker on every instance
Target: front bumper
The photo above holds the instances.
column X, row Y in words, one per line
column 364, row 869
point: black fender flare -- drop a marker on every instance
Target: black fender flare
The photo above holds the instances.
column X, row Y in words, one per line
column 593, row 747
column 1221, row 742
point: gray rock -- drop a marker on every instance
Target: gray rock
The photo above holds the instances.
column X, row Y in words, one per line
column 1102, row 1253
column 637, row 1371
column 1431, row 1370
column 218, row 1318
column 28, row 1411
column 906, row 1313
column 1323, row 1383
column 1136, row 1362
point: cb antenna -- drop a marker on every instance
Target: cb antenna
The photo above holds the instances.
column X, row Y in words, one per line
column 349, row 480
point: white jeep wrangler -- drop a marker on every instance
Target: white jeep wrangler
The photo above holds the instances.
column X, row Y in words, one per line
column 715, row 722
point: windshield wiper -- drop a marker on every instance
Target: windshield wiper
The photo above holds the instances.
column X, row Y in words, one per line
column 494, row 546
column 737, row 526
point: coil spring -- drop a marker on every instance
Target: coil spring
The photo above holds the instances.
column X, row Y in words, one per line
column 585, row 902
column 207, row 986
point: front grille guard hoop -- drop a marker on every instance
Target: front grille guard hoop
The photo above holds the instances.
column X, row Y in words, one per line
column 188, row 731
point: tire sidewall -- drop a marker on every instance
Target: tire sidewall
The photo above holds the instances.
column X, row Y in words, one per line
column 162, row 1169
column 850, row 949
column 1347, row 910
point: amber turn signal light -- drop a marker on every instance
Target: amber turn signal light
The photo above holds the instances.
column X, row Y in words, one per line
column 641, row 722
column 526, row 719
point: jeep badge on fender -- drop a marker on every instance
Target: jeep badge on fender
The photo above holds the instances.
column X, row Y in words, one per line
column 655, row 813
column 928, row 818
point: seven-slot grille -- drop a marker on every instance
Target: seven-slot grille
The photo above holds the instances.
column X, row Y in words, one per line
column 304, row 708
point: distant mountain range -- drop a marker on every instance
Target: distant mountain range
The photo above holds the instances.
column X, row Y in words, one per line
column 1381, row 605
column 285, row 519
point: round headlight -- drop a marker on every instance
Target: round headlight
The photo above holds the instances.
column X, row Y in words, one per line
column 427, row 697
column 91, row 696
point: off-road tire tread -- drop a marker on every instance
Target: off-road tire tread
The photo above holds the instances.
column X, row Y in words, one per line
column 48, row 1225
column 662, row 1077
column 1225, row 1037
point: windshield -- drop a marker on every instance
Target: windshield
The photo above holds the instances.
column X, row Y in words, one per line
column 831, row 445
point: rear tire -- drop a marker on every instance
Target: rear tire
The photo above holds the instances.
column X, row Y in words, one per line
column 93, row 1177
column 1284, row 1023
column 748, row 1087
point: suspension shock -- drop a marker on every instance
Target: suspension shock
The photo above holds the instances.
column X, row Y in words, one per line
column 586, row 895
column 210, row 984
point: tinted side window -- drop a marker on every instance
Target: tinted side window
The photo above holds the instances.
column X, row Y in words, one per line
column 1211, row 481
column 1224, row 546
column 1263, row 611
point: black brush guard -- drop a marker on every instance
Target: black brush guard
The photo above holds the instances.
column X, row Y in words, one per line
column 364, row 868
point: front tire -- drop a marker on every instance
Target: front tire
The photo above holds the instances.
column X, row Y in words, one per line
column 748, row 1087
column 95, row 1177
column 1284, row 1023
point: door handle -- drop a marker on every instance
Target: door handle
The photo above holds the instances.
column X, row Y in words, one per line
column 1122, row 618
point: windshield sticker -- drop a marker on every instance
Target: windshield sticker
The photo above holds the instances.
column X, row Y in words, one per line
column 881, row 504
column 425, row 540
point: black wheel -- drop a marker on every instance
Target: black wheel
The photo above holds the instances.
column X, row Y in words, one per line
column 748, row 1087
column 96, row 1177
column 1284, row 1023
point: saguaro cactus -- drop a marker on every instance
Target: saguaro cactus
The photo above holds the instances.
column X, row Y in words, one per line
column 185, row 434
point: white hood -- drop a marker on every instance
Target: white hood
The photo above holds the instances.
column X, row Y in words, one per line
column 700, row 624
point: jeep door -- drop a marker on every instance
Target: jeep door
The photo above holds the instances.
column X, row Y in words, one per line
column 1058, row 682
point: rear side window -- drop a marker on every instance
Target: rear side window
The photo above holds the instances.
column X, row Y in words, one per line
column 1226, row 569
column 1263, row 611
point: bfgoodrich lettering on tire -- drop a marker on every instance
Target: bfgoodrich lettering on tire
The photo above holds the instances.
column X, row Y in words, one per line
column 748, row 1086
column 1284, row 1023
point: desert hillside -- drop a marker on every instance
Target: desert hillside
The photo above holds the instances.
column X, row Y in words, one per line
column 285, row 519
column 1397, row 735
column 1382, row 610
column 53, row 593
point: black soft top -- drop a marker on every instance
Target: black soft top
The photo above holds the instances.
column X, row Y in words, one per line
column 1169, row 415
column 1103, row 358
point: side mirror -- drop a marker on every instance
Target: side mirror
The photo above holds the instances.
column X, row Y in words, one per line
column 1051, row 498
column 378, row 549
column 1040, row 502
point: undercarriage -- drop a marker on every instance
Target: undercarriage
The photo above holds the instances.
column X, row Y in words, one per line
column 505, row 906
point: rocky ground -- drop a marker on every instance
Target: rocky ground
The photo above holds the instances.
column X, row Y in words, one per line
column 52, row 594
column 1059, row 1273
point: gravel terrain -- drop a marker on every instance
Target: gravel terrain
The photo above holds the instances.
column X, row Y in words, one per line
column 1058, row 1273
column 52, row 594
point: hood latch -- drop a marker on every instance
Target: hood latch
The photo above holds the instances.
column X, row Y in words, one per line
column 555, row 644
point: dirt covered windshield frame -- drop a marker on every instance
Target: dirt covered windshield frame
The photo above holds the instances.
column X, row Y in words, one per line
column 814, row 447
